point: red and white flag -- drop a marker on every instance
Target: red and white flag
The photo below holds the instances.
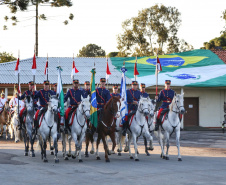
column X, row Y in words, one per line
column 46, row 68
column 74, row 70
column 19, row 90
column 158, row 66
column 34, row 67
column 135, row 69
column 17, row 69
column 108, row 73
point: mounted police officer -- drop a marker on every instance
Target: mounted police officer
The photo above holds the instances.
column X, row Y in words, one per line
column 133, row 97
column 166, row 96
column 115, row 91
column 75, row 98
column 43, row 97
column 2, row 101
column 86, row 90
column 30, row 91
column 142, row 91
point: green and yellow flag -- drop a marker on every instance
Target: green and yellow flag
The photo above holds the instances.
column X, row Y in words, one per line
column 93, row 109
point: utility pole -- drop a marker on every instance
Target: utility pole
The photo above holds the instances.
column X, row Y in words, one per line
column 36, row 30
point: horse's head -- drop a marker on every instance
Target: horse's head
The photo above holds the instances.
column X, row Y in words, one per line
column 178, row 101
column 29, row 103
column 6, row 106
column 151, row 106
column 116, row 105
column 113, row 105
column 53, row 103
column 143, row 105
column 85, row 106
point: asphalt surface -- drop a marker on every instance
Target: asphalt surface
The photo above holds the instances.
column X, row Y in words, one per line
column 203, row 154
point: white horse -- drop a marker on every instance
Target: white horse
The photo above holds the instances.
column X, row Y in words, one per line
column 79, row 126
column 27, row 132
column 14, row 125
column 170, row 125
column 48, row 127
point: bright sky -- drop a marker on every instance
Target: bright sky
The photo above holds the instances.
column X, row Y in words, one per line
column 99, row 22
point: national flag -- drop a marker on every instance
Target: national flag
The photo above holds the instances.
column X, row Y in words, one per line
column 108, row 73
column 46, row 68
column 74, row 70
column 17, row 69
column 124, row 105
column 135, row 69
column 34, row 67
column 60, row 92
column 158, row 66
column 93, row 108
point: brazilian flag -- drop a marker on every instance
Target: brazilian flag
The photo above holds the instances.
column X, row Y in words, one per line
column 93, row 108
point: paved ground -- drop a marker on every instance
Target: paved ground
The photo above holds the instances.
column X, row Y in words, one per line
column 203, row 154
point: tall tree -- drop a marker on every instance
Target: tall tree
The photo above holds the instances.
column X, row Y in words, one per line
column 224, row 18
column 6, row 57
column 153, row 28
column 91, row 50
column 218, row 42
column 22, row 5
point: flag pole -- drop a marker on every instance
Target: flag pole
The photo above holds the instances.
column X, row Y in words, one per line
column 74, row 69
column 156, row 74
column 136, row 67
column 34, row 74
column 107, row 78
column 18, row 108
column 47, row 70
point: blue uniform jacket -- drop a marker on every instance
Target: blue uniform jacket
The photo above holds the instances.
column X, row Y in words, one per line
column 86, row 93
column 102, row 96
column 74, row 95
column 26, row 93
column 166, row 96
column 144, row 94
column 132, row 95
column 115, row 94
column 43, row 97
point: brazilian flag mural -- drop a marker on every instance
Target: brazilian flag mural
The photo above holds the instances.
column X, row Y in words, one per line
column 197, row 68
column 93, row 108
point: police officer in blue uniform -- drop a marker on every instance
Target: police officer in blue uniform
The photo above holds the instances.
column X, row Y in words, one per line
column 55, row 88
column 115, row 91
column 142, row 91
column 133, row 97
column 30, row 91
column 86, row 90
column 102, row 94
column 75, row 98
column 166, row 96
column 43, row 96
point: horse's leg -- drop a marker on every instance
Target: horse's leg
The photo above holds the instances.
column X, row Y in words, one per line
column 44, row 150
column 126, row 149
column 80, row 144
column 25, row 143
column 129, row 146
column 112, row 136
column 75, row 138
column 87, row 145
column 1, row 130
column 135, row 146
column 167, row 145
column 6, row 131
column 56, row 148
column 32, row 146
column 178, row 144
column 51, row 148
column 97, row 145
column 151, row 147
column 105, row 148
column 92, row 142
column 119, row 143
column 145, row 144
column 69, row 144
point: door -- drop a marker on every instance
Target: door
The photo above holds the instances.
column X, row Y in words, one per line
column 191, row 117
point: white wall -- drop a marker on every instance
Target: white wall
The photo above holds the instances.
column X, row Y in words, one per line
column 211, row 105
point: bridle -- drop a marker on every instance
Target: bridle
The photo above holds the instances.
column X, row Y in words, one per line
column 83, row 111
column 142, row 110
column 177, row 107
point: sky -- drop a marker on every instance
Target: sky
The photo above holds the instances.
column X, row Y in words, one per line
column 99, row 22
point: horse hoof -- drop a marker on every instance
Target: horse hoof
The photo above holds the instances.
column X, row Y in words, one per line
column 17, row 141
column 107, row 160
column 73, row 157
column 152, row 149
column 131, row 157
column 57, row 161
column 167, row 158
column 80, row 160
column 66, row 158
column 137, row 152
column 126, row 149
column 51, row 153
column 91, row 152
column 69, row 155
column 136, row 159
column 33, row 155
column 45, row 160
column 98, row 158
column 51, row 148
column 26, row 154
column 119, row 154
column 86, row 155
column 179, row 159
column 147, row 154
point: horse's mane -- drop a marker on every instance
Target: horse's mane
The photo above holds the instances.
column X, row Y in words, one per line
column 171, row 105
column 28, row 98
column 106, row 105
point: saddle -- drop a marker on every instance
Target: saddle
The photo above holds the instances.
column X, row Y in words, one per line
column 71, row 115
column 41, row 114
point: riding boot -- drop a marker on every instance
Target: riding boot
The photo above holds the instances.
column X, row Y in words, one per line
column 125, row 125
column 20, row 124
column 66, row 126
column 58, row 129
column 158, row 123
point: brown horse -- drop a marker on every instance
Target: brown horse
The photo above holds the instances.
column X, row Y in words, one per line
column 4, row 118
column 106, row 126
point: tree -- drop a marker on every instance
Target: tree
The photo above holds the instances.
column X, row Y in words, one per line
column 91, row 50
column 113, row 54
column 153, row 28
column 6, row 57
column 224, row 18
column 22, row 5
column 218, row 42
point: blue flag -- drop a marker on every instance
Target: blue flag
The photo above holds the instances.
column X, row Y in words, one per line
column 124, row 106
